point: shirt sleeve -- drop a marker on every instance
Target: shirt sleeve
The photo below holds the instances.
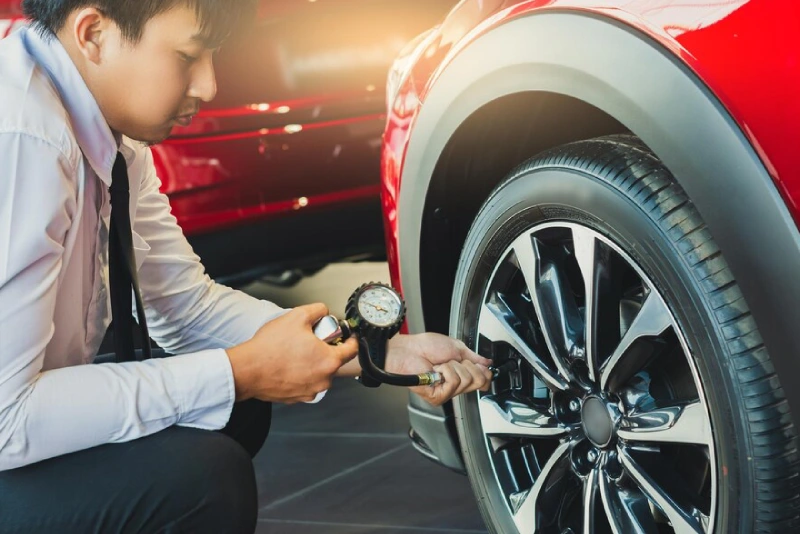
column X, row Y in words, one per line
column 50, row 413
column 186, row 310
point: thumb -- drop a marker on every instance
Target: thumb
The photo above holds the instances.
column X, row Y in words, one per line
column 444, row 390
column 346, row 351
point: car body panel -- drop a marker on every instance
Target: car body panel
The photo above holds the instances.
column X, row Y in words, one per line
column 299, row 114
column 731, row 45
column 10, row 17
column 707, row 36
column 225, row 180
column 659, row 62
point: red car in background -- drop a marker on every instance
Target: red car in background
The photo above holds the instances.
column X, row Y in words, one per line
column 603, row 196
column 281, row 172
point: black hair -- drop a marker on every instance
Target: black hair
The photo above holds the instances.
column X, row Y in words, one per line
column 217, row 18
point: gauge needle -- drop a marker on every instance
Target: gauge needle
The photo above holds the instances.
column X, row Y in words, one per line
column 379, row 308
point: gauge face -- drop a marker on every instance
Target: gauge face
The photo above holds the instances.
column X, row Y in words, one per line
column 379, row 305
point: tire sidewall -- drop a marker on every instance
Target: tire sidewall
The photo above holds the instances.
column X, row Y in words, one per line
column 534, row 196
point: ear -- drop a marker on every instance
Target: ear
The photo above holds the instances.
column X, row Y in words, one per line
column 90, row 30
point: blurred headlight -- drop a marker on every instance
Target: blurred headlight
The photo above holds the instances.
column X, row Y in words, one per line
column 402, row 66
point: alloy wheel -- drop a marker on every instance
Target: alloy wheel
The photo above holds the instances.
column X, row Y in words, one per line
column 603, row 425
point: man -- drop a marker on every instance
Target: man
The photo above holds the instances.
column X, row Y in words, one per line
column 132, row 446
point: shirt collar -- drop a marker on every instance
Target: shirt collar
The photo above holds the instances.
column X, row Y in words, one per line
column 94, row 136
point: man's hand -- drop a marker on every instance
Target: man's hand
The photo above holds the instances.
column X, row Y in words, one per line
column 285, row 361
column 463, row 370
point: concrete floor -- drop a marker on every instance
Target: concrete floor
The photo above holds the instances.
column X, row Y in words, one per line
column 346, row 465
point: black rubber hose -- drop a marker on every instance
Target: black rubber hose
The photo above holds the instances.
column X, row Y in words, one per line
column 379, row 374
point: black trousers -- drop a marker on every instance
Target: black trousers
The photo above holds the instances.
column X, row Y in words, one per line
column 177, row 480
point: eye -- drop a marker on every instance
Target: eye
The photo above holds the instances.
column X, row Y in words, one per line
column 187, row 57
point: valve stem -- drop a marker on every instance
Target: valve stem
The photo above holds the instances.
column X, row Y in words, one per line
column 506, row 367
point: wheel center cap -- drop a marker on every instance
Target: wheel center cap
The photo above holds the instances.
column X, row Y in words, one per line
column 598, row 421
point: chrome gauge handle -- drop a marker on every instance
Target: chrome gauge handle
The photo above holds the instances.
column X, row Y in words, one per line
column 331, row 330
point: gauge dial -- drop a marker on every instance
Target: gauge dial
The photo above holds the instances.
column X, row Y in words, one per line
column 380, row 306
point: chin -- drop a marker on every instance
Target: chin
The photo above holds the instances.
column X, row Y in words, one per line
column 152, row 138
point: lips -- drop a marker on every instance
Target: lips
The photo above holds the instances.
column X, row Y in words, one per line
column 184, row 120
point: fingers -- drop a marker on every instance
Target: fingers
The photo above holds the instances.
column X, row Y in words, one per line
column 486, row 375
column 445, row 391
column 465, row 375
column 313, row 312
column 480, row 377
column 468, row 355
column 458, row 378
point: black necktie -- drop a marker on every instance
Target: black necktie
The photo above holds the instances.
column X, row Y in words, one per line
column 122, row 269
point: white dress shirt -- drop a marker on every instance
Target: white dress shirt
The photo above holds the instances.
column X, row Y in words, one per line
column 56, row 156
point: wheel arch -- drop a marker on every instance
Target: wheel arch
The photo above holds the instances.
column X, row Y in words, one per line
column 482, row 151
column 559, row 61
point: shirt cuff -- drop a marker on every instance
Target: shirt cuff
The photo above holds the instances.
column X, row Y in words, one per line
column 205, row 388
column 319, row 397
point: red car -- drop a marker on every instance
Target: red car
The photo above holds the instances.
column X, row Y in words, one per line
column 282, row 170
column 603, row 197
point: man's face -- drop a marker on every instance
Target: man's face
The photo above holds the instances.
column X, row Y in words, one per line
column 146, row 88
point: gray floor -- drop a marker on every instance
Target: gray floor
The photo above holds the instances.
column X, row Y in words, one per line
column 346, row 465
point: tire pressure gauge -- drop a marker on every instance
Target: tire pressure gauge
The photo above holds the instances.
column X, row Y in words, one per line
column 375, row 310
column 375, row 313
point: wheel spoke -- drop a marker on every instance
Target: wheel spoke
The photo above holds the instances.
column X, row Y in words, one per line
column 585, row 243
column 495, row 325
column 660, row 470
column 513, row 418
column 548, row 487
column 674, row 424
column 556, row 317
column 627, row 511
column 681, row 520
column 652, row 320
column 589, row 499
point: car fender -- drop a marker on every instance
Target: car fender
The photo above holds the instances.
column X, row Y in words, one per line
column 658, row 98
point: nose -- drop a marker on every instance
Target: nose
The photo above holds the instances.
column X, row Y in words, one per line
column 203, row 83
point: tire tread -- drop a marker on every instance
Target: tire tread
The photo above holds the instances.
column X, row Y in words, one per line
column 629, row 165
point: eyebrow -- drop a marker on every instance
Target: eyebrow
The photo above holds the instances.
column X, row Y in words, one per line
column 201, row 38
column 205, row 40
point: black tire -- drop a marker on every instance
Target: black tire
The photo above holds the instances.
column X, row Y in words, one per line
column 619, row 189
